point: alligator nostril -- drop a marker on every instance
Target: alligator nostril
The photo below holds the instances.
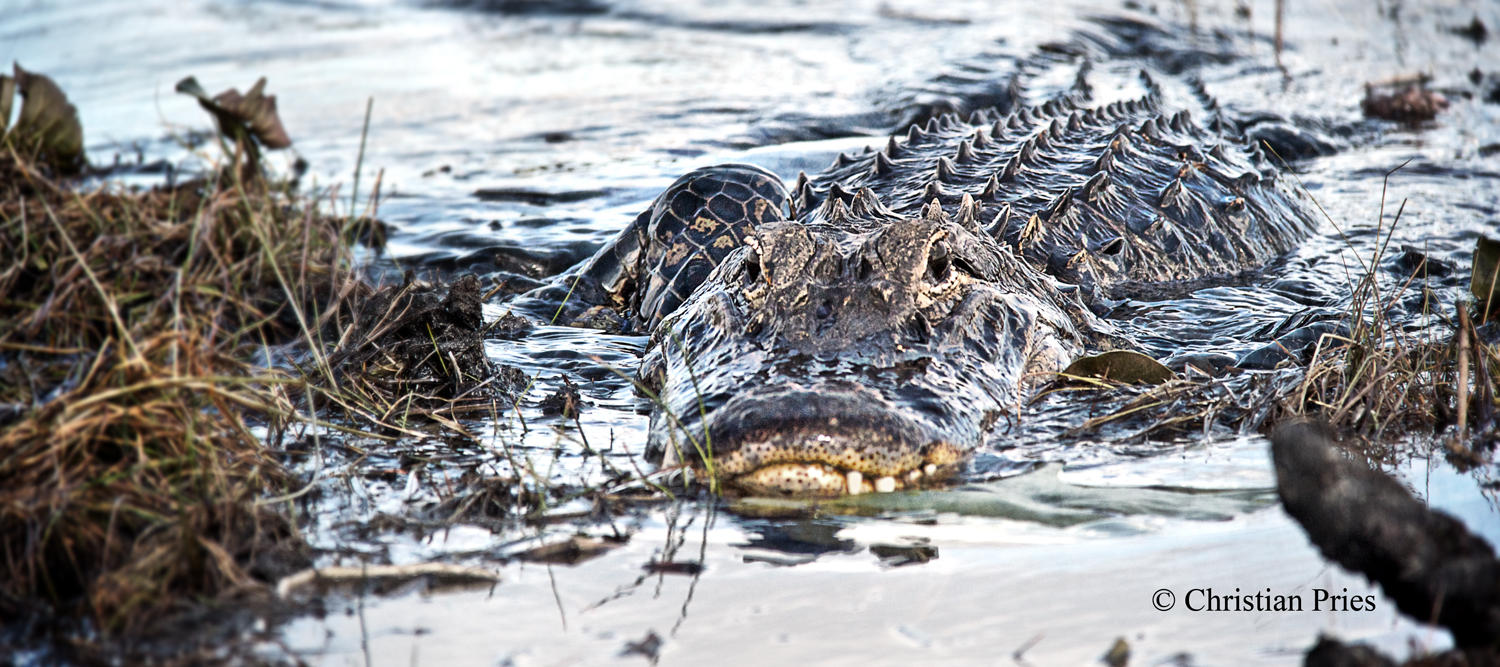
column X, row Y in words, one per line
column 938, row 262
column 825, row 309
column 752, row 265
column 865, row 268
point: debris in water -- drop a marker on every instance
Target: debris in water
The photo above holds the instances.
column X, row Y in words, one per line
column 575, row 550
column 422, row 346
column 897, row 555
column 685, row 568
column 123, row 367
column 566, row 401
column 381, row 579
column 649, row 647
column 1121, row 366
column 1475, row 31
column 47, row 130
column 1118, row 655
column 509, row 326
column 254, row 112
column 1404, row 101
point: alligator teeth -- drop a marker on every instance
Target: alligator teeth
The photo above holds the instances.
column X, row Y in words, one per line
column 885, row 484
column 930, row 469
column 856, row 482
column 914, row 476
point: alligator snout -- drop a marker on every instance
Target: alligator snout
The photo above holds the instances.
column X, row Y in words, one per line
column 825, row 439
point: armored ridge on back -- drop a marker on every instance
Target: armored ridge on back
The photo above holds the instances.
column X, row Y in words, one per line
column 865, row 330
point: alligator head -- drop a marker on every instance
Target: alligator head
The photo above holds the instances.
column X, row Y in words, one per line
column 853, row 350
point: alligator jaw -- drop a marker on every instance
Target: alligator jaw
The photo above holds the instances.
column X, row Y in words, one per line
column 827, row 439
column 820, row 480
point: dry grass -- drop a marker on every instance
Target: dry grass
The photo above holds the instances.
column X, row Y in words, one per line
column 128, row 475
column 1375, row 385
column 1382, row 382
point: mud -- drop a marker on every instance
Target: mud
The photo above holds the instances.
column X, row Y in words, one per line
column 426, row 342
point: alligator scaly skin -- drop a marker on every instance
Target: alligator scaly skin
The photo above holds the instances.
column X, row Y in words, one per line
column 866, row 327
column 1125, row 198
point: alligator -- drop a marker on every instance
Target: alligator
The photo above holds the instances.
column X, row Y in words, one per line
column 865, row 328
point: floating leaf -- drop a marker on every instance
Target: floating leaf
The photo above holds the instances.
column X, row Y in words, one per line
column 48, row 123
column 7, row 97
column 254, row 112
column 1121, row 366
column 1482, row 283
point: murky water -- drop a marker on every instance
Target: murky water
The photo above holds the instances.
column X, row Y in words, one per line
column 610, row 102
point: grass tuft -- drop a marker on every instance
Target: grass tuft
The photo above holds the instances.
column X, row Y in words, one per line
column 129, row 470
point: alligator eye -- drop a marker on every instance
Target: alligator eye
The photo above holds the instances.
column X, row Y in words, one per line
column 939, row 261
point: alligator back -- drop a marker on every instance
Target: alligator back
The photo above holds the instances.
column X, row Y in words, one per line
column 1123, row 199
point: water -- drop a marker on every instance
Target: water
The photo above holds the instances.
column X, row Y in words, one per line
column 1051, row 565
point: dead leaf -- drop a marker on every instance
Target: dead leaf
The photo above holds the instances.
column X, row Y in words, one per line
column 7, row 97
column 254, row 112
column 1482, row 283
column 48, row 123
column 1121, row 366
